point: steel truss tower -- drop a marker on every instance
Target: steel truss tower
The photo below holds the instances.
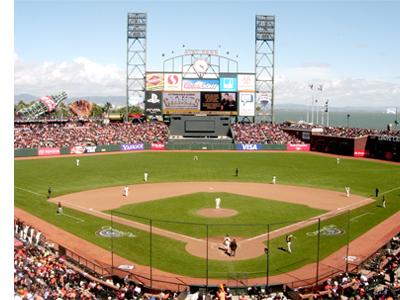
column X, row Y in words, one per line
column 264, row 65
column 136, row 57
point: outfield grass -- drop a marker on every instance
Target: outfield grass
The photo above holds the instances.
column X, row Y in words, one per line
column 33, row 177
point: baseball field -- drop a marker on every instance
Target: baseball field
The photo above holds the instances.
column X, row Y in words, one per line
column 170, row 221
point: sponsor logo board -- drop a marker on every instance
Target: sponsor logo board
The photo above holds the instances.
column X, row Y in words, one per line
column 181, row 103
column 298, row 147
column 247, row 104
column 196, row 85
column 228, row 84
column 48, row 151
column 157, row 146
column 246, row 83
column 153, row 103
column 154, row 82
column 361, row 153
column 132, row 147
column 173, row 82
column 249, row 147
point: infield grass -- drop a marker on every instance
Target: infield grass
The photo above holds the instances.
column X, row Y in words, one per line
column 32, row 177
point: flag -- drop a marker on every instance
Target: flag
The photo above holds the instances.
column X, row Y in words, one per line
column 316, row 100
column 237, row 55
column 391, row 111
column 163, row 54
column 172, row 52
column 183, row 46
column 220, row 46
column 227, row 52
column 326, row 106
column 311, row 86
column 320, row 87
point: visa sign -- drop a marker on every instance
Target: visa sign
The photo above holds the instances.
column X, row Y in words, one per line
column 249, row 147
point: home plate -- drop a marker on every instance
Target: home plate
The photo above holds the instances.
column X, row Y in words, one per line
column 210, row 188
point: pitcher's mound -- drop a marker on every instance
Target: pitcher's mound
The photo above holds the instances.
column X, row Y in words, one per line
column 217, row 213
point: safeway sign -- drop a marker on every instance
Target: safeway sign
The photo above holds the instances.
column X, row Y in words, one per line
column 298, row 147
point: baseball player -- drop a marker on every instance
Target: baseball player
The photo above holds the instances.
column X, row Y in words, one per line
column 126, row 190
column 77, row 162
column 289, row 242
column 59, row 208
column 347, row 191
column 217, row 202
column 145, row 176
column 338, row 160
column 383, row 202
column 227, row 242
column 273, row 179
column 195, row 157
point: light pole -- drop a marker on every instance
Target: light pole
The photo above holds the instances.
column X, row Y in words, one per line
column 348, row 120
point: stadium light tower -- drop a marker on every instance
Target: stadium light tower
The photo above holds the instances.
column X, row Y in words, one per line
column 136, row 58
column 265, row 61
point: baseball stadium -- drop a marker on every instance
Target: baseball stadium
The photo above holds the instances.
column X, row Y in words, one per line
column 123, row 206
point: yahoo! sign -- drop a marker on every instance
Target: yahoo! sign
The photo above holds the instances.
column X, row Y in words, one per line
column 132, row 147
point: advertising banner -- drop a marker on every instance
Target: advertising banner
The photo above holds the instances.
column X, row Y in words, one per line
column 153, row 105
column 48, row 151
column 181, row 103
column 154, row 82
column 173, row 82
column 197, row 85
column 246, row 83
column 298, row 147
column 82, row 149
column 361, row 153
column 132, row 147
column 219, row 103
column 156, row 146
column 228, row 84
column 249, row 147
column 49, row 102
column 247, row 105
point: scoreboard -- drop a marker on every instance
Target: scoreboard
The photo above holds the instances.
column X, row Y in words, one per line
column 172, row 94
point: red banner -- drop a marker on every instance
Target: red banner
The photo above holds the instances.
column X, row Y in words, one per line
column 48, row 151
column 156, row 146
column 298, row 147
column 361, row 153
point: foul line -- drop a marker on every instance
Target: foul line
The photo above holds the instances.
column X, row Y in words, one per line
column 29, row 191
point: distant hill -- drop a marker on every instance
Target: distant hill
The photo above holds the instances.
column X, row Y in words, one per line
column 120, row 101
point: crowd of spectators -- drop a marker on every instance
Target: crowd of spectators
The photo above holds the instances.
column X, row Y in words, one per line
column 379, row 283
column 68, row 134
column 40, row 135
column 42, row 274
column 265, row 133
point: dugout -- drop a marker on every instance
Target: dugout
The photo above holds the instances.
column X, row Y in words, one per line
column 200, row 129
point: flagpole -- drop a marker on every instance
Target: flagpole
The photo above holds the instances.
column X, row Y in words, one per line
column 312, row 105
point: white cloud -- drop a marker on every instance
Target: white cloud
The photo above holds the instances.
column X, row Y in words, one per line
column 83, row 78
column 79, row 78
column 292, row 86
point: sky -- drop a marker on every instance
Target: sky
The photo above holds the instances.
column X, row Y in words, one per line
column 351, row 48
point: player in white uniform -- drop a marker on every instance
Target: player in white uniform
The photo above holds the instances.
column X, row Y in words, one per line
column 273, row 179
column 217, row 202
column 227, row 242
column 347, row 191
column 126, row 190
column 145, row 176
column 77, row 162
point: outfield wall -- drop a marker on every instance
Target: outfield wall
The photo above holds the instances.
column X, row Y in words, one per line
column 156, row 147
